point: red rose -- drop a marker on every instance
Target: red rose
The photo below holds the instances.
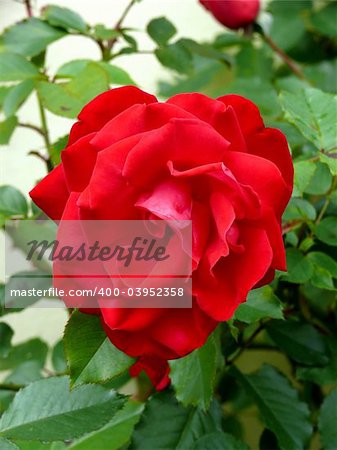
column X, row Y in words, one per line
column 210, row 161
column 233, row 14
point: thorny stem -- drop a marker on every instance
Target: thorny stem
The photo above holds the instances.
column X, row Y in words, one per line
column 246, row 344
column 28, row 8
column 285, row 58
column 32, row 127
column 120, row 23
column 45, row 133
column 327, row 202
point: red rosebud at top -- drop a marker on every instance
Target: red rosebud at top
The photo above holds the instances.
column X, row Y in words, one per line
column 233, row 13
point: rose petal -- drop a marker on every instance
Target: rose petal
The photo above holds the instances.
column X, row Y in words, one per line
column 106, row 106
column 51, row 194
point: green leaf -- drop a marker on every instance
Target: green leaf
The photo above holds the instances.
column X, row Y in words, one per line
column 300, row 341
column 5, row 399
column 321, row 278
column 35, row 445
column 326, row 231
column 288, row 27
column 12, row 202
column 304, row 171
column 91, row 356
column 260, row 303
column 3, row 92
column 58, row 100
column 300, row 268
column 115, row 74
column 324, row 21
column 58, row 357
column 6, row 334
column 176, row 56
column 5, row 444
column 219, row 441
column 165, row 424
column 17, row 96
column 325, row 261
column 25, row 373
column 299, row 209
column 56, row 149
column 103, row 33
column 254, row 62
column 330, row 159
column 30, row 37
column 32, row 350
column 323, row 75
column 320, row 182
column 16, row 67
column 281, row 409
column 193, row 376
column 311, row 111
column 64, row 18
column 322, row 375
column 115, row 433
column 6, row 129
column 25, row 281
column 161, row 30
column 327, row 421
column 47, row 410
column 69, row 98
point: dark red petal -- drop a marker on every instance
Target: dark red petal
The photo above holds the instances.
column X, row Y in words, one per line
column 235, row 275
column 182, row 330
column 247, row 112
column 137, row 119
column 272, row 144
column 222, row 118
column 263, row 176
column 78, row 163
column 51, row 194
column 106, row 106
column 187, row 143
column 157, row 370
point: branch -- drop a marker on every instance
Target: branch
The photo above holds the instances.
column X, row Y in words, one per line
column 32, row 127
column 295, row 68
column 28, row 8
column 119, row 24
column 45, row 132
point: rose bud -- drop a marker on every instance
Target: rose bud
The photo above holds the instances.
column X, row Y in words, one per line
column 209, row 161
column 233, row 14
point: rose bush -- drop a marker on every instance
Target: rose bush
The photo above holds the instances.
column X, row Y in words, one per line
column 233, row 14
column 193, row 158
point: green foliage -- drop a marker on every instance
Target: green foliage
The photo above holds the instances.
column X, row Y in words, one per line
column 300, row 341
column 47, row 410
column 90, row 355
column 175, row 427
column 12, row 202
column 312, row 112
column 260, row 303
column 161, row 30
column 193, row 377
column 115, row 433
column 327, row 421
column 64, row 18
column 30, row 37
column 280, row 407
